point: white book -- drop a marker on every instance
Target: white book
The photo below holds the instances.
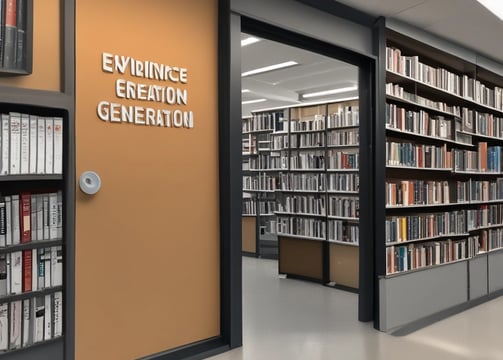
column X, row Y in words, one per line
column 33, row 144
column 40, row 145
column 40, row 217
column 16, row 232
column 34, row 270
column 45, row 209
column 53, row 216
column 58, row 314
column 47, row 268
column 8, row 221
column 4, row 326
column 57, row 265
column 16, row 320
column 49, row 146
column 25, row 144
column 15, row 143
column 58, row 145
column 60, row 215
column 3, row 222
column 5, row 169
column 27, row 323
column 48, row 318
column 39, row 311
column 33, row 218
column 16, row 269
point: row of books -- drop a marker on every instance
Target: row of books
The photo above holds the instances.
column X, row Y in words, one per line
column 396, row 90
column 31, row 270
column 249, row 206
column 280, row 141
column 299, row 226
column 268, row 162
column 461, row 85
column 493, row 237
column 416, row 256
column 31, row 321
column 31, row 217
column 484, row 159
column 260, row 182
column 339, row 230
column 307, row 123
column 343, row 137
column 343, row 182
column 13, row 34
column 418, row 155
column 485, row 215
column 479, row 190
column 315, row 139
column 249, row 145
column 418, row 122
column 268, row 121
column 343, row 159
column 343, row 206
column 303, row 204
column 312, row 160
column 346, row 116
column 302, row 182
column 481, row 123
column 425, row 226
column 417, row 192
column 31, row 144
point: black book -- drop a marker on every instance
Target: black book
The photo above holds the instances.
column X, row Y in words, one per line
column 21, row 34
column 2, row 29
column 10, row 43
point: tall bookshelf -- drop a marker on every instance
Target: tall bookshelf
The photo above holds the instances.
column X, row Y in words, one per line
column 314, row 151
column 443, row 184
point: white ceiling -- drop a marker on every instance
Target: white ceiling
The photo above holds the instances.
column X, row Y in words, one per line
column 465, row 22
column 283, row 87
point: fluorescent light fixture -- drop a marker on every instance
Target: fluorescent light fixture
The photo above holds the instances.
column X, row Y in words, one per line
column 269, row 68
column 253, row 101
column 329, row 92
column 245, row 91
column 494, row 6
column 249, row 41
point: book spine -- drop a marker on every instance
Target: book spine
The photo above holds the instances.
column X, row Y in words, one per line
column 15, row 143
column 33, row 144
column 5, row 144
column 58, row 145
column 40, row 145
column 48, row 318
column 3, row 222
column 4, row 326
column 21, row 34
column 27, row 323
column 8, row 221
column 15, row 227
column 3, row 275
column 25, row 217
column 49, row 146
column 16, row 270
column 58, row 314
column 2, row 30
column 53, row 216
column 25, row 144
column 27, row 270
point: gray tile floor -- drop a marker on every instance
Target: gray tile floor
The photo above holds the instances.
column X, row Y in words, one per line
column 292, row 319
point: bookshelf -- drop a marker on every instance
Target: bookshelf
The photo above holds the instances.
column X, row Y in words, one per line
column 314, row 152
column 32, row 228
column 443, row 180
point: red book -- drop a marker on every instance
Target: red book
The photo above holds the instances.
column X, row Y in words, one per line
column 27, row 270
column 10, row 13
column 25, row 217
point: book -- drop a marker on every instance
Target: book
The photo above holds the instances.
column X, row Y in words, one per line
column 45, row 218
column 15, row 143
column 8, row 220
column 60, row 215
column 33, row 144
column 53, row 216
column 40, row 216
column 58, row 145
column 33, row 217
column 25, row 144
column 48, row 318
column 4, row 326
column 41, row 268
column 3, row 222
column 16, row 270
column 10, row 42
column 2, row 29
column 27, row 270
column 58, row 314
column 16, row 321
column 21, row 34
column 47, row 268
column 5, row 169
column 15, row 225
column 34, row 270
column 49, row 146
column 3, row 275
column 27, row 323
column 38, row 305
column 40, row 145
column 25, row 217
column 57, row 265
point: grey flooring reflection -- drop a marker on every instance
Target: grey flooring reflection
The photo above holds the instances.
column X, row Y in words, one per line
column 292, row 319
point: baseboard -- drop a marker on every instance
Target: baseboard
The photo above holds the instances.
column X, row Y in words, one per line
column 195, row 351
